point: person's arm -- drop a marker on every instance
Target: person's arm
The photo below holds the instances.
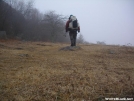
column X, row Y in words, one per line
column 78, row 27
column 67, row 25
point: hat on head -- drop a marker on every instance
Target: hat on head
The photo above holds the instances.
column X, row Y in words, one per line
column 70, row 16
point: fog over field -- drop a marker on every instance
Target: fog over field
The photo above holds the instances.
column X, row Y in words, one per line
column 37, row 62
column 110, row 21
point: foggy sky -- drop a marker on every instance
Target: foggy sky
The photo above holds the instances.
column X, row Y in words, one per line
column 111, row 21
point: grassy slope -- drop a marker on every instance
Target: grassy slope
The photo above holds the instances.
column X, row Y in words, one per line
column 37, row 71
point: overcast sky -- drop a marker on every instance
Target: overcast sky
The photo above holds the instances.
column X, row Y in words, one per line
column 111, row 21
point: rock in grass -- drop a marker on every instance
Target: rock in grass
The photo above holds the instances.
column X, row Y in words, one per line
column 71, row 48
column 111, row 52
column 23, row 55
column 18, row 48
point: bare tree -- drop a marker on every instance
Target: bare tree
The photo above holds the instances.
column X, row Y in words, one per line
column 54, row 24
column 4, row 14
column 13, row 12
column 21, row 6
column 21, row 19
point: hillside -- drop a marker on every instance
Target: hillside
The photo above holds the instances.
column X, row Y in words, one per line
column 39, row 71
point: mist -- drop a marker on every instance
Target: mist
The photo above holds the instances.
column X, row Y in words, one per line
column 107, row 21
column 110, row 21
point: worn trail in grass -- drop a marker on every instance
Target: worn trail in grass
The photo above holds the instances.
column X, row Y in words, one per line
column 39, row 71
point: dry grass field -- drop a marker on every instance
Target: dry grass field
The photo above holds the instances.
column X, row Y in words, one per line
column 39, row 71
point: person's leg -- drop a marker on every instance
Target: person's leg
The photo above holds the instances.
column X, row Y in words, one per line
column 74, row 37
column 71, row 38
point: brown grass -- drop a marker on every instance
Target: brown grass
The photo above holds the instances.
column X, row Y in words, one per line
column 38, row 71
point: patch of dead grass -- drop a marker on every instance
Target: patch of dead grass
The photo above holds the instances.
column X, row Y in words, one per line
column 38, row 71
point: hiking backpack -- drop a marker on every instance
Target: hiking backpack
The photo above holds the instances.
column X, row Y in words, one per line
column 73, row 23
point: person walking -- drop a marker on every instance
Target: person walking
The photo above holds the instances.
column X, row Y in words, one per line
column 72, row 26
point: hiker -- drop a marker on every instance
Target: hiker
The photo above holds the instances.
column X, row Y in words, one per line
column 72, row 26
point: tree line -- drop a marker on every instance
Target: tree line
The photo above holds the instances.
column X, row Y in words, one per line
column 22, row 20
